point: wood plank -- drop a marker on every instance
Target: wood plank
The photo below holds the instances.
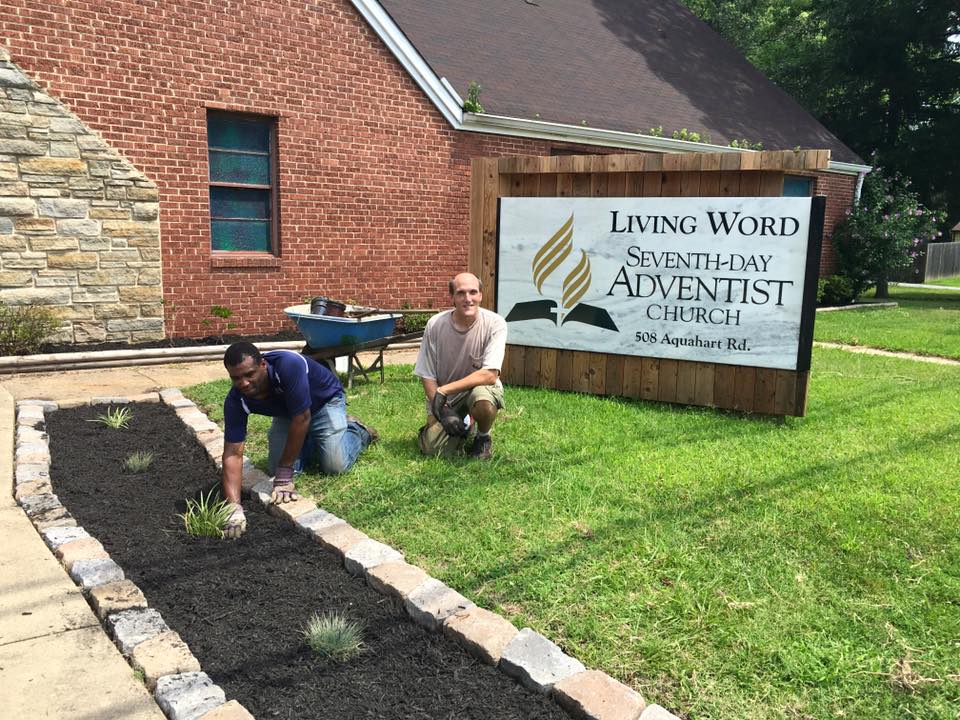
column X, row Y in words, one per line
column 686, row 382
column 582, row 163
column 514, row 184
column 565, row 163
column 673, row 162
column 531, row 367
column 706, row 377
column 785, row 398
column 690, row 184
column 613, row 378
column 632, row 376
column 564, row 370
column 597, row 373
column 749, row 184
column 823, row 160
column 771, row 184
column 652, row 184
column 724, row 386
column 691, row 162
column 617, row 184
column 800, row 403
column 547, row 185
column 633, row 162
column 564, row 185
column 581, row 371
column 729, row 183
column 598, row 184
column 650, row 379
column 548, row 367
column 508, row 165
column 491, row 190
column 765, row 392
column 709, row 184
column 529, row 185
column 475, row 250
column 730, row 161
column 634, row 186
column 671, row 184
column 653, row 162
column 667, row 392
column 771, row 160
column 744, row 387
column 750, row 160
column 712, row 162
column 512, row 368
column 581, row 185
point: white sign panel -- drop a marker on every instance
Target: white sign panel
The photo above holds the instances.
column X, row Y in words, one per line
column 708, row 279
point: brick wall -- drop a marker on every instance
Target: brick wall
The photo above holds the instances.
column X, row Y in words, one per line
column 374, row 184
column 839, row 190
column 78, row 223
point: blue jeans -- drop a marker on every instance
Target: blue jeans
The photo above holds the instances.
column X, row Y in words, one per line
column 332, row 443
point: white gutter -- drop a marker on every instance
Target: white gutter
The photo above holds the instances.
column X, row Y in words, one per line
column 450, row 105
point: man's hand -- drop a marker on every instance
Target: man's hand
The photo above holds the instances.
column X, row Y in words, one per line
column 448, row 417
column 283, row 488
column 236, row 523
column 437, row 404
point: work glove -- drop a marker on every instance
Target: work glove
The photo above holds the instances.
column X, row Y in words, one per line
column 283, row 488
column 236, row 523
column 448, row 417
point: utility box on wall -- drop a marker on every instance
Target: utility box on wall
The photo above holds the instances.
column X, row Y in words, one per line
column 702, row 296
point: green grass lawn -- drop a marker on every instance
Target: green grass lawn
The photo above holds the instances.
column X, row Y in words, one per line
column 949, row 281
column 925, row 322
column 725, row 566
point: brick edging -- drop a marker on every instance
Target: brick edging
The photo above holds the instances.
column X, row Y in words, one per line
column 173, row 673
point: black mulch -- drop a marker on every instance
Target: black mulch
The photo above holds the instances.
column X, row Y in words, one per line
column 240, row 605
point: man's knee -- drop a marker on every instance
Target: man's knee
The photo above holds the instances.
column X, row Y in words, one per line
column 332, row 464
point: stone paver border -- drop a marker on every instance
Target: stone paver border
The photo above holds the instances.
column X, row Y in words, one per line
column 184, row 692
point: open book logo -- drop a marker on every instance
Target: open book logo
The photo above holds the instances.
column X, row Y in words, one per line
column 549, row 258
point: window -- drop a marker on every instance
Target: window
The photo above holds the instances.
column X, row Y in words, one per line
column 243, row 188
column 797, row 186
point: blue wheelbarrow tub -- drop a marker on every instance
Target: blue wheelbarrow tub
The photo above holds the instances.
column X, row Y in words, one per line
column 324, row 331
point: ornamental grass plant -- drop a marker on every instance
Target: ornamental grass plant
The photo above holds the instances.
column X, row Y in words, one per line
column 206, row 516
column 138, row 461
column 334, row 635
column 117, row 418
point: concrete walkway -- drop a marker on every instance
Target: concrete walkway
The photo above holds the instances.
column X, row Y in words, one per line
column 56, row 662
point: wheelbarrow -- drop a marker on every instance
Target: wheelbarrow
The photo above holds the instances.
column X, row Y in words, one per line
column 360, row 329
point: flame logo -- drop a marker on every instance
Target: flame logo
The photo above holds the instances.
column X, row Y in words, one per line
column 577, row 282
column 552, row 254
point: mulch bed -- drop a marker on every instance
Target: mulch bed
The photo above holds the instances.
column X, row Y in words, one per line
column 178, row 342
column 240, row 605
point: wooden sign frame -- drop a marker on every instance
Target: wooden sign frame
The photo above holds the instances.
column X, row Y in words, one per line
column 735, row 174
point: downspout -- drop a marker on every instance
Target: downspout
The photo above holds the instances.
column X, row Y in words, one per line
column 856, row 193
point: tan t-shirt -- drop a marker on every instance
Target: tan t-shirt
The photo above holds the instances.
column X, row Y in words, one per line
column 447, row 354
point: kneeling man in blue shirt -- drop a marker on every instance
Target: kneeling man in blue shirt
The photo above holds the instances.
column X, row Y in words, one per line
column 310, row 421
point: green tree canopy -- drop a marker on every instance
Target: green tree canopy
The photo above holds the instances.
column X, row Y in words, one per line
column 882, row 75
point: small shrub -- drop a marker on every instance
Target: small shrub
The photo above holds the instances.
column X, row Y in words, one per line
column 414, row 322
column 206, row 517
column 836, row 290
column 23, row 328
column 117, row 418
column 333, row 635
column 138, row 461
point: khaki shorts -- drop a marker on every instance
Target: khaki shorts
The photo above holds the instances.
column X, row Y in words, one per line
column 433, row 440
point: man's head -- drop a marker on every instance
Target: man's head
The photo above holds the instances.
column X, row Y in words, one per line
column 466, row 291
column 247, row 369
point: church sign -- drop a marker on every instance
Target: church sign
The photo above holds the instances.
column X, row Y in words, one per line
column 727, row 280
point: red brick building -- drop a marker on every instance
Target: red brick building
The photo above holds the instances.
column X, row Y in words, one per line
column 362, row 192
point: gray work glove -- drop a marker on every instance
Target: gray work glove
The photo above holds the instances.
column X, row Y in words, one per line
column 448, row 417
column 236, row 523
column 283, row 488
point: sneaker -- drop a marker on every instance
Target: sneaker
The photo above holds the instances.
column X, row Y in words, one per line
column 374, row 435
column 482, row 448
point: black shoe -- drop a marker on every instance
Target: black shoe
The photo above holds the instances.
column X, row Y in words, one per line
column 374, row 435
column 482, row 448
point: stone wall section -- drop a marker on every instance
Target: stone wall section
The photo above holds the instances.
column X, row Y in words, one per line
column 79, row 228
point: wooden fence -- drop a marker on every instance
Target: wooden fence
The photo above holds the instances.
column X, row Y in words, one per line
column 943, row 260
column 750, row 174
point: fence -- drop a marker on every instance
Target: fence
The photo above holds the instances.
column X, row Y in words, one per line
column 743, row 388
column 943, row 260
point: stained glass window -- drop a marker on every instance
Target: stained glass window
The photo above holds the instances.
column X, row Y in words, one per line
column 242, row 161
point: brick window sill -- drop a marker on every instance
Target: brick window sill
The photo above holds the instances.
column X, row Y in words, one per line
column 243, row 260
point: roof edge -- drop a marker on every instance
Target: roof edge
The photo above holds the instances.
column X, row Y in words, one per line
column 437, row 89
column 450, row 105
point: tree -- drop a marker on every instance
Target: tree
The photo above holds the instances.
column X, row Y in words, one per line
column 883, row 75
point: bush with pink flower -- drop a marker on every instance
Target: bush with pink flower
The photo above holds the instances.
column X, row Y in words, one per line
column 884, row 233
